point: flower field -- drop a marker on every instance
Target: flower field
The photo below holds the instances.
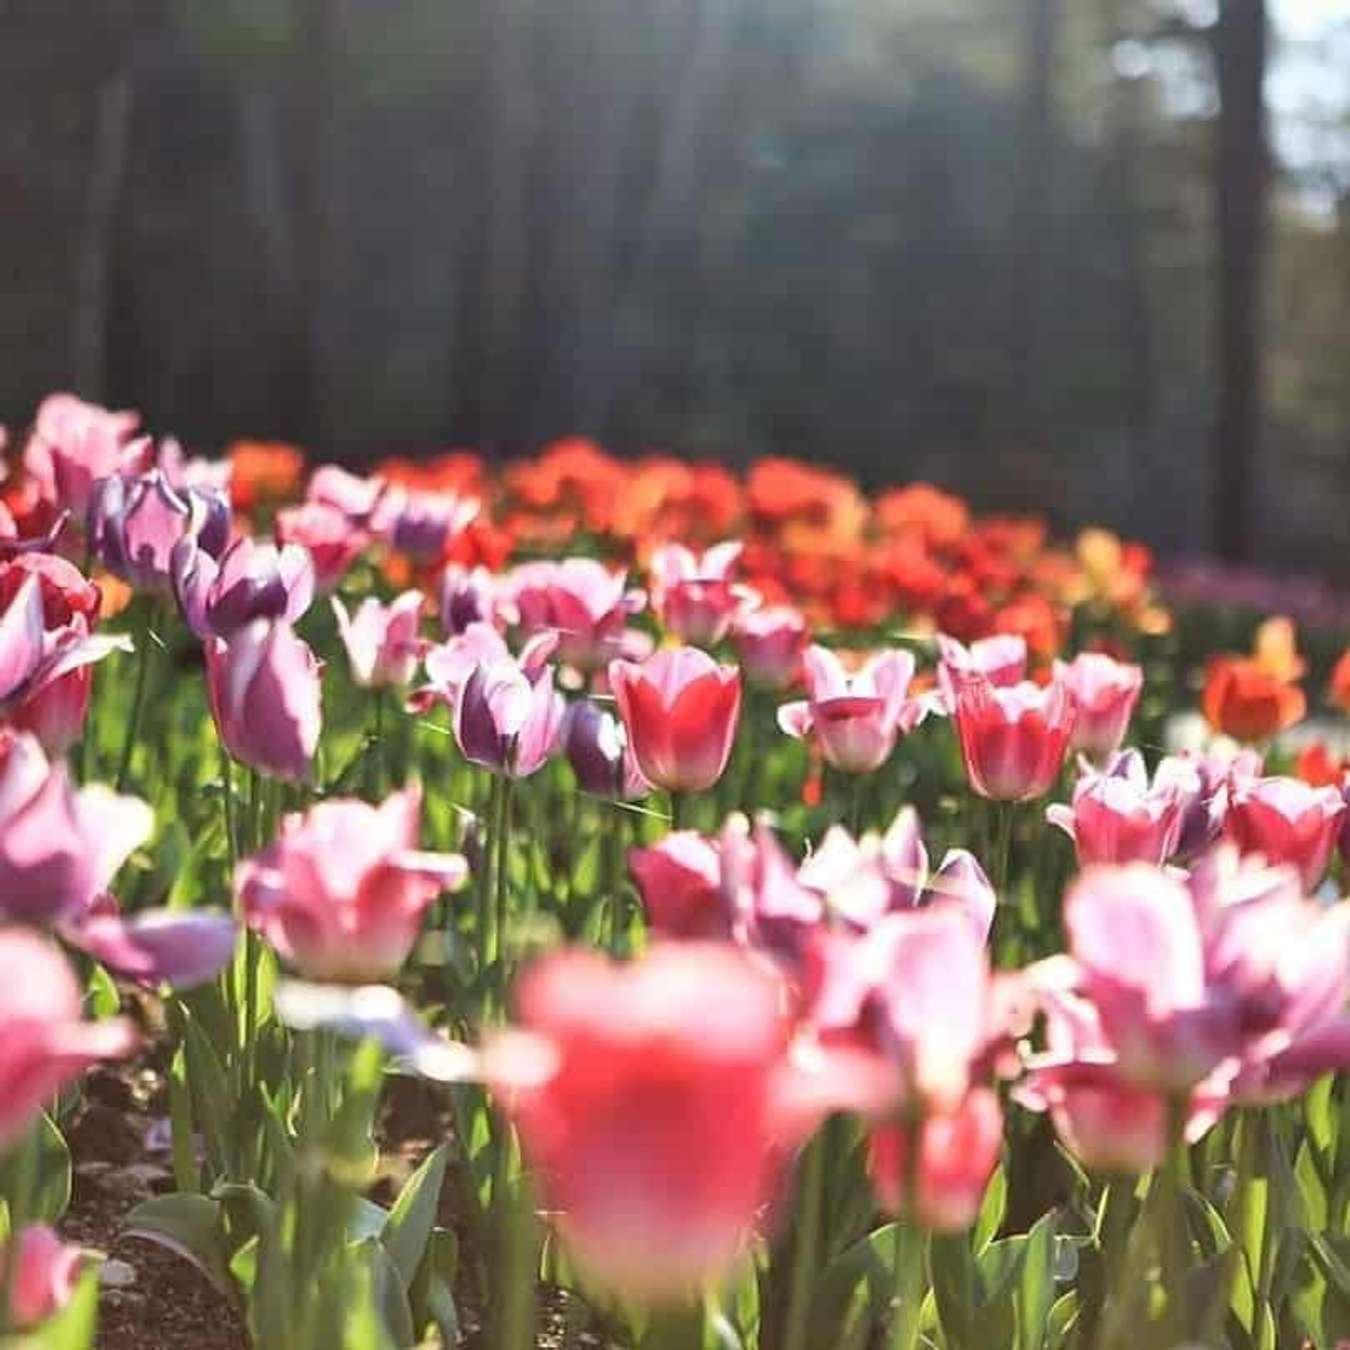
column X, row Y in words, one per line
column 797, row 906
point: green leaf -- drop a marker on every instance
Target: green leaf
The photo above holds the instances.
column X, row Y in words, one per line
column 388, row 1292
column 54, row 1171
column 188, row 1225
column 1036, row 1284
column 992, row 1209
column 100, row 994
column 413, row 1215
column 954, row 1289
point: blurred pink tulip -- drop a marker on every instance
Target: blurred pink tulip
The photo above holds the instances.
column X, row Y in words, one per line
column 382, row 642
column 695, row 596
column 769, row 645
column 422, row 525
column 74, row 444
column 1286, row 821
column 135, row 524
column 252, row 580
column 1118, row 817
column 59, row 847
column 679, row 879
column 44, row 1276
column 958, row 1152
column 650, row 1103
column 264, row 690
column 1104, row 693
column 341, row 892
column 470, row 595
column 330, row 537
column 1013, row 740
column 580, row 600
column 1202, row 821
column 856, row 719
column 44, row 1045
column 680, row 709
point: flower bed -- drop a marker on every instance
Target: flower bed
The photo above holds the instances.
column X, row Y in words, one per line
column 773, row 903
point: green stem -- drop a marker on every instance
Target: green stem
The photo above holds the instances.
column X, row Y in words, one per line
column 486, row 888
column 230, row 808
column 616, row 863
column 1003, row 859
column 858, row 795
column 501, row 879
column 679, row 810
column 143, row 656
column 804, row 1254
column 911, row 1248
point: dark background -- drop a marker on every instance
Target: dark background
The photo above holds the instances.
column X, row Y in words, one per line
column 1057, row 254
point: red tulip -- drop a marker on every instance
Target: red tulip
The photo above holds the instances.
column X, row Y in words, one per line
column 680, row 709
column 1013, row 740
column 1286, row 821
column 650, row 1102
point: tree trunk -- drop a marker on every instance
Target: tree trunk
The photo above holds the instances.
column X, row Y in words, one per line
column 1241, row 180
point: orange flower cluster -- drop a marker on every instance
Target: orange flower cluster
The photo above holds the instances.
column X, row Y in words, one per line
column 1252, row 698
column 914, row 555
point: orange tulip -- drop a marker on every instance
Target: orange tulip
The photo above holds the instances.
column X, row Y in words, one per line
column 1244, row 700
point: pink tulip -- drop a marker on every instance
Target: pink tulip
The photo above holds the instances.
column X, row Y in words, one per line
column 330, row 537
column 1001, row 659
column 349, row 494
column 45, row 1274
column 422, row 525
column 177, row 947
column 1013, row 740
column 863, row 880
column 1203, row 820
column 769, row 645
column 383, row 646
column 59, row 847
column 340, row 894
column 650, row 1103
column 74, row 444
column 1286, row 821
column 597, row 748
column 1117, row 817
column 694, row 596
column 44, row 1046
column 1108, row 1124
column 263, row 687
column 680, row 710
column 449, row 665
column 136, row 523
column 1104, row 692
column 508, row 715
column 47, row 649
column 679, row 880
column 580, row 600
column 771, row 912
column 957, row 1155
column 856, row 719
column 251, row 581
column 468, row 596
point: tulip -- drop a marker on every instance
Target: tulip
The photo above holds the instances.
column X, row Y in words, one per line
column 47, row 611
column 695, row 597
column 250, row 581
column 863, row 880
column 450, row 664
column 45, row 1274
column 1242, row 699
column 856, row 719
column 1202, row 821
column 649, row 1100
column 769, row 645
column 1288, row 822
column 349, row 494
column 423, row 525
column 771, row 911
column 135, row 524
column 263, row 687
column 1104, row 693
column 679, row 880
column 468, row 596
column 382, row 644
column 340, row 894
column 680, row 710
column 580, row 600
column 1001, row 659
column 508, row 715
column 44, row 1046
column 59, row 847
column 331, row 538
column 957, row 1155
column 74, row 444
column 1117, row 817
column 597, row 749
column 1013, row 740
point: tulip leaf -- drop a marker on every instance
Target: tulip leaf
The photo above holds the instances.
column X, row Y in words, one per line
column 1036, row 1284
column 189, row 1225
column 388, row 1292
column 101, row 996
column 992, row 1209
column 71, row 1327
column 413, row 1215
